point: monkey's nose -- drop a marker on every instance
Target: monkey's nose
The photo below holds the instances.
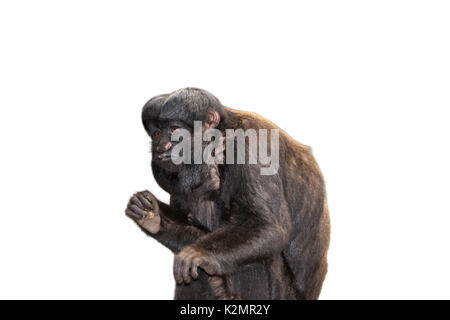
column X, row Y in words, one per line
column 167, row 146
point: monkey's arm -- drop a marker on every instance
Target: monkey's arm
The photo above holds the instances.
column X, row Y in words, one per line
column 166, row 224
column 264, row 231
column 175, row 233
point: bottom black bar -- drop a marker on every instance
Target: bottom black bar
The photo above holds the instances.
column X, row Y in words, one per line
column 163, row 309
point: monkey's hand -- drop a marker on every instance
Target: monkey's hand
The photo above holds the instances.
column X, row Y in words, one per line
column 188, row 261
column 144, row 210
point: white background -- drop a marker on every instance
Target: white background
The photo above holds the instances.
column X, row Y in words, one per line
column 365, row 83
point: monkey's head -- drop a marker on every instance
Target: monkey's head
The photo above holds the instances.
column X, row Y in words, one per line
column 163, row 115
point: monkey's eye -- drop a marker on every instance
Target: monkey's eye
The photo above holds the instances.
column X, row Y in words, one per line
column 173, row 129
column 157, row 134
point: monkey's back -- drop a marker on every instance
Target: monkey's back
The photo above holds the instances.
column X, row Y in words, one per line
column 305, row 258
column 306, row 195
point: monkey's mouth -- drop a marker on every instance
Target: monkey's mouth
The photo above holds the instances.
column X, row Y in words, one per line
column 164, row 157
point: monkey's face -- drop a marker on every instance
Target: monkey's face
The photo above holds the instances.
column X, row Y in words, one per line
column 162, row 144
column 165, row 114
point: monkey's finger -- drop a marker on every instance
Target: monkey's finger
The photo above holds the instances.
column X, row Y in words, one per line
column 209, row 269
column 186, row 275
column 135, row 200
column 138, row 210
column 194, row 269
column 132, row 214
column 177, row 265
column 146, row 204
column 148, row 196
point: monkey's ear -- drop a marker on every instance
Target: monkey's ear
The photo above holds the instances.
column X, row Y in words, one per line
column 212, row 119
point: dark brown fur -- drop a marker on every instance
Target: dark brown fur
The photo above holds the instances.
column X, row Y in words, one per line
column 267, row 236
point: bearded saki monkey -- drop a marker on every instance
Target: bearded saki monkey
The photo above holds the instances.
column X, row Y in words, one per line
column 236, row 233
